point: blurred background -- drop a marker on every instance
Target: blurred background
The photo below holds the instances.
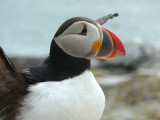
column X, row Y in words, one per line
column 131, row 83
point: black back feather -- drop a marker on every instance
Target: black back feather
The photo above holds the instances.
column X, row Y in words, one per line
column 12, row 88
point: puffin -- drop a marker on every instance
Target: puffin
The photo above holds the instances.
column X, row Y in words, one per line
column 63, row 87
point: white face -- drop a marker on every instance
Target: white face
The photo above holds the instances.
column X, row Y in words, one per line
column 78, row 42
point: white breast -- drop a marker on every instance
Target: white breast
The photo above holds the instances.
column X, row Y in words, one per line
column 79, row 98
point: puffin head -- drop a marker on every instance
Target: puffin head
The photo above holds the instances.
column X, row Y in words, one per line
column 85, row 38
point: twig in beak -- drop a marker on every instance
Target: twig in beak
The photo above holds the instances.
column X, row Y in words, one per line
column 104, row 19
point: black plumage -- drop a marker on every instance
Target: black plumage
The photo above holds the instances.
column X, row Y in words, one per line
column 12, row 88
column 58, row 66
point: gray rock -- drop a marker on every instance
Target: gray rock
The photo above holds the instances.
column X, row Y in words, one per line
column 136, row 56
column 23, row 63
column 135, row 99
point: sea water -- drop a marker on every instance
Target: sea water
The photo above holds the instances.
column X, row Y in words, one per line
column 28, row 26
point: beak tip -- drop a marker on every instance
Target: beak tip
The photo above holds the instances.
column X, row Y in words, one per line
column 119, row 49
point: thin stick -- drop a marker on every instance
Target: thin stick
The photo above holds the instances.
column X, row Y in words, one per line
column 104, row 19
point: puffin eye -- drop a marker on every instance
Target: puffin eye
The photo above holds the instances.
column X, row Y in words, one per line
column 84, row 30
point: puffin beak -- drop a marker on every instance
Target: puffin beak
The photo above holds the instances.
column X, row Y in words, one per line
column 109, row 46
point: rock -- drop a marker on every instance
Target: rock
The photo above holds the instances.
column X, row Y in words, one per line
column 153, row 61
column 137, row 55
column 134, row 99
column 23, row 63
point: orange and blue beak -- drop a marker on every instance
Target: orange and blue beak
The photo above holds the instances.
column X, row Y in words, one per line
column 109, row 46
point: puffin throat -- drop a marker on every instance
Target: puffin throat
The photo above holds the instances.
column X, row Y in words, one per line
column 62, row 64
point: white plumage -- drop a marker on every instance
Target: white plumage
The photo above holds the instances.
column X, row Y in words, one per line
column 77, row 98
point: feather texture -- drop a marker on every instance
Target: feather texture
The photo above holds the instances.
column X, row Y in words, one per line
column 12, row 88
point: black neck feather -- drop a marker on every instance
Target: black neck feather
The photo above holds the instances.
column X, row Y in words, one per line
column 60, row 66
column 62, row 62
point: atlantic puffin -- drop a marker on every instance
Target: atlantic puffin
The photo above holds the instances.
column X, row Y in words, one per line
column 63, row 87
